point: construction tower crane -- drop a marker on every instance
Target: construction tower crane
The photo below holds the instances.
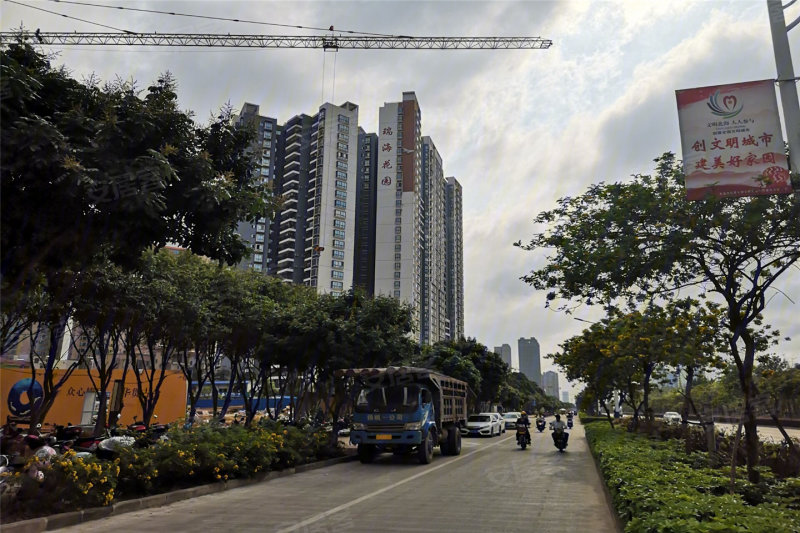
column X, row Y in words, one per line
column 275, row 41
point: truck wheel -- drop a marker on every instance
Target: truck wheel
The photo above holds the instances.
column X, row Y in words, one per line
column 425, row 450
column 366, row 453
column 454, row 441
column 444, row 445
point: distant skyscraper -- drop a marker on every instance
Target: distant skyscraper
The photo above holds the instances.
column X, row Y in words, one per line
column 550, row 383
column 262, row 154
column 504, row 352
column 564, row 396
column 455, row 259
column 529, row 363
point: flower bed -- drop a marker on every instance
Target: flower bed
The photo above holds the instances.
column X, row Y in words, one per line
column 657, row 487
column 190, row 457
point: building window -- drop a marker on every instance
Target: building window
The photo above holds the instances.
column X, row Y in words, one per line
column 398, row 238
column 341, row 165
column 398, row 203
column 397, row 257
column 260, row 227
column 344, row 129
column 397, row 229
column 399, row 194
column 342, row 155
column 397, row 266
column 341, row 184
column 337, row 274
column 398, row 212
column 397, row 275
column 397, row 294
column 344, row 119
column 343, row 137
column 258, row 258
column 268, row 126
column 336, row 285
column 397, row 247
column 398, row 220
column 341, row 175
column 257, row 267
column 340, row 203
column 342, row 146
column 338, row 243
column 337, row 264
column 341, row 194
column 338, row 224
column 396, row 284
column 339, row 213
column 338, row 254
column 338, row 233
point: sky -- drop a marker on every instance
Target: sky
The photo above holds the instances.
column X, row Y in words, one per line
column 518, row 128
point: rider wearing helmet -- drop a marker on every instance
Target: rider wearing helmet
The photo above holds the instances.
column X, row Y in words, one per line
column 526, row 423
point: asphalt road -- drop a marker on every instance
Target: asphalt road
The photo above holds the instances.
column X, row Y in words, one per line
column 492, row 486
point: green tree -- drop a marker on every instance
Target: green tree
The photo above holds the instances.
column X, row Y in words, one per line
column 642, row 238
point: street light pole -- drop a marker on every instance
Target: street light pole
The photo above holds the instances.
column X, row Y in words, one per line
column 786, row 79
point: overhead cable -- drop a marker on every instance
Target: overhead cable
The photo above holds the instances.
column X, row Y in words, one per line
column 224, row 19
column 71, row 17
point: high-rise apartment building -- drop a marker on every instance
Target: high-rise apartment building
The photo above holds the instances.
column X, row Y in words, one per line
column 564, row 396
column 455, row 259
column 262, row 153
column 366, row 203
column 399, row 246
column 529, row 362
column 433, row 285
column 504, row 352
column 315, row 233
column 550, row 383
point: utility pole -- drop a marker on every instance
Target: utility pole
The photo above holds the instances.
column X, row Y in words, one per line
column 787, row 83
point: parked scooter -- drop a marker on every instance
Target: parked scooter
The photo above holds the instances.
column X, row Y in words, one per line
column 540, row 424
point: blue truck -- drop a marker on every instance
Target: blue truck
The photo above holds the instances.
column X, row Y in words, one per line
column 406, row 410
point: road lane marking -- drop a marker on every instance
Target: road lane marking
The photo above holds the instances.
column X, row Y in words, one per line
column 329, row 512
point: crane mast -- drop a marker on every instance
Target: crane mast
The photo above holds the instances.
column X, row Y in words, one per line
column 275, row 41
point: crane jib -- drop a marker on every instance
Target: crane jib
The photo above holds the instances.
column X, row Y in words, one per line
column 273, row 41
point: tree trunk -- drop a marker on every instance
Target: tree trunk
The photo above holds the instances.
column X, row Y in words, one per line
column 687, row 395
column 786, row 437
column 751, row 438
column 734, row 451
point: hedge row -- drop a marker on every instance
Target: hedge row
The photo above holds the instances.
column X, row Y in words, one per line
column 190, row 457
column 658, row 487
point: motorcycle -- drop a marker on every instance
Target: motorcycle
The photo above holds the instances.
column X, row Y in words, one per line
column 569, row 423
column 523, row 437
column 560, row 438
column 540, row 424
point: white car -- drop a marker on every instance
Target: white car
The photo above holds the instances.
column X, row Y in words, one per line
column 481, row 425
column 510, row 419
column 501, row 421
column 671, row 417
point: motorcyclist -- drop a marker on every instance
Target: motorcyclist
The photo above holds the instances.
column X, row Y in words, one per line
column 559, row 425
column 525, row 422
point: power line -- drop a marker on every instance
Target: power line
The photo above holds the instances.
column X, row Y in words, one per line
column 71, row 17
column 224, row 19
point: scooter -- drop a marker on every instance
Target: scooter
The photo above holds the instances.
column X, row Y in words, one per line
column 523, row 437
column 569, row 423
column 560, row 438
column 540, row 424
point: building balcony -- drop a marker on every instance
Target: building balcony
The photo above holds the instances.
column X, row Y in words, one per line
column 282, row 272
column 295, row 171
column 286, row 229
column 290, row 185
column 289, row 212
column 287, row 259
column 286, row 240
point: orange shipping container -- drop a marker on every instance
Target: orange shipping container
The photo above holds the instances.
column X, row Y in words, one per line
column 76, row 402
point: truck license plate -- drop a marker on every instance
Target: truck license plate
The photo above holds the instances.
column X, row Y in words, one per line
column 383, row 437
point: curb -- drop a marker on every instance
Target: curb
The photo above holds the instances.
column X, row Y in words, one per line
column 57, row 521
column 606, row 491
